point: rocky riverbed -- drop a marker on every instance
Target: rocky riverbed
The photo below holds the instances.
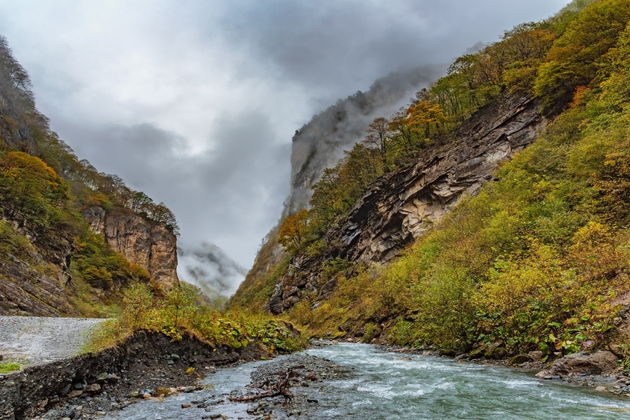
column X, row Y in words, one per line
column 359, row 381
column 151, row 377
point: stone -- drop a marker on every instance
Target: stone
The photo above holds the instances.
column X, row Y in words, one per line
column 601, row 362
column 186, row 405
column 519, row 359
column 75, row 393
column 79, row 385
column 93, row 388
column 601, row 388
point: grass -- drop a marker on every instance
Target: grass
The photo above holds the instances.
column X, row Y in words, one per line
column 8, row 367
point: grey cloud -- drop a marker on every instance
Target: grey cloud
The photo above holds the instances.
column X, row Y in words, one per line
column 335, row 44
column 236, row 187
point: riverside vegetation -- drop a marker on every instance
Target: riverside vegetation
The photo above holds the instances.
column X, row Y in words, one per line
column 182, row 311
column 538, row 260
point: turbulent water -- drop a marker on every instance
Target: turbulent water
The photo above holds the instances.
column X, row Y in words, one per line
column 386, row 385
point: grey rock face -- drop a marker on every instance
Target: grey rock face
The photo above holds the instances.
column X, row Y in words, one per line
column 143, row 242
column 582, row 363
column 405, row 204
column 321, row 143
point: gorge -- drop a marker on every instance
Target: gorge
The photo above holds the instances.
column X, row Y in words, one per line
column 455, row 244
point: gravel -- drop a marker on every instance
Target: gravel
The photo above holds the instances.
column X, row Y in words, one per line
column 31, row 340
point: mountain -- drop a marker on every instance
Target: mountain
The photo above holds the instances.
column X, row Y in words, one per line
column 490, row 216
column 320, row 144
column 71, row 238
column 210, row 269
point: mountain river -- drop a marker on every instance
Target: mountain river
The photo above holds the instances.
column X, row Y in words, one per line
column 389, row 385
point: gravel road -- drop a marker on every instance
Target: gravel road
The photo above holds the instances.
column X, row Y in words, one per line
column 36, row 340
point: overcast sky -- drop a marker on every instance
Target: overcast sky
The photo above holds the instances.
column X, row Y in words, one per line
column 195, row 102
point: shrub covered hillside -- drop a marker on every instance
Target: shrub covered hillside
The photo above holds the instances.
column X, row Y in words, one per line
column 51, row 263
column 538, row 259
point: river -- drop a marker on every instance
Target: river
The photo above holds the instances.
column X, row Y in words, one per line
column 389, row 385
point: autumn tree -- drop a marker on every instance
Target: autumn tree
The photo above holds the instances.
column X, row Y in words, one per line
column 576, row 57
column 292, row 229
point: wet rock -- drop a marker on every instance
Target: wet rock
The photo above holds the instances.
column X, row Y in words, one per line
column 186, row 405
column 79, row 386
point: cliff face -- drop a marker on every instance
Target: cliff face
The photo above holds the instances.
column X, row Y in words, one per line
column 141, row 241
column 405, row 204
column 320, row 144
column 32, row 285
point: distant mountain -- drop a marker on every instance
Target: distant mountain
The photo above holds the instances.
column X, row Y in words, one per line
column 209, row 268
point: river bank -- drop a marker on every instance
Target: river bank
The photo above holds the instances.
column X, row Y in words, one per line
column 150, row 373
column 145, row 365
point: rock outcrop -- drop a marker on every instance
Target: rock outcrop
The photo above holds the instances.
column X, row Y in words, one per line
column 143, row 242
column 405, row 204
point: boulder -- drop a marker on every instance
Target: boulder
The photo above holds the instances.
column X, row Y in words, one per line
column 599, row 363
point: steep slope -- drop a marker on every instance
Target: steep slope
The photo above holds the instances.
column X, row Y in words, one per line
column 407, row 203
column 404, row 244
column 71, row 237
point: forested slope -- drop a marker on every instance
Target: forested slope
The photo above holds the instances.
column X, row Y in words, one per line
column 536, row 258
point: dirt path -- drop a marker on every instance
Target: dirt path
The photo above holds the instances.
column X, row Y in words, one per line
column 36, row 340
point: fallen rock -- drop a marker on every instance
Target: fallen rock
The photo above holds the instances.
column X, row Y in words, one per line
column 74, row 394
column 598, row 363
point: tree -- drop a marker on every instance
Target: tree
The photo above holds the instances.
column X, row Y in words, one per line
column 292, row 230
column 377, row 137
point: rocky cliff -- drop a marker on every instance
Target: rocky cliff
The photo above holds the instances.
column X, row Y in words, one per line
column 143, row 242
column 406, row 203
